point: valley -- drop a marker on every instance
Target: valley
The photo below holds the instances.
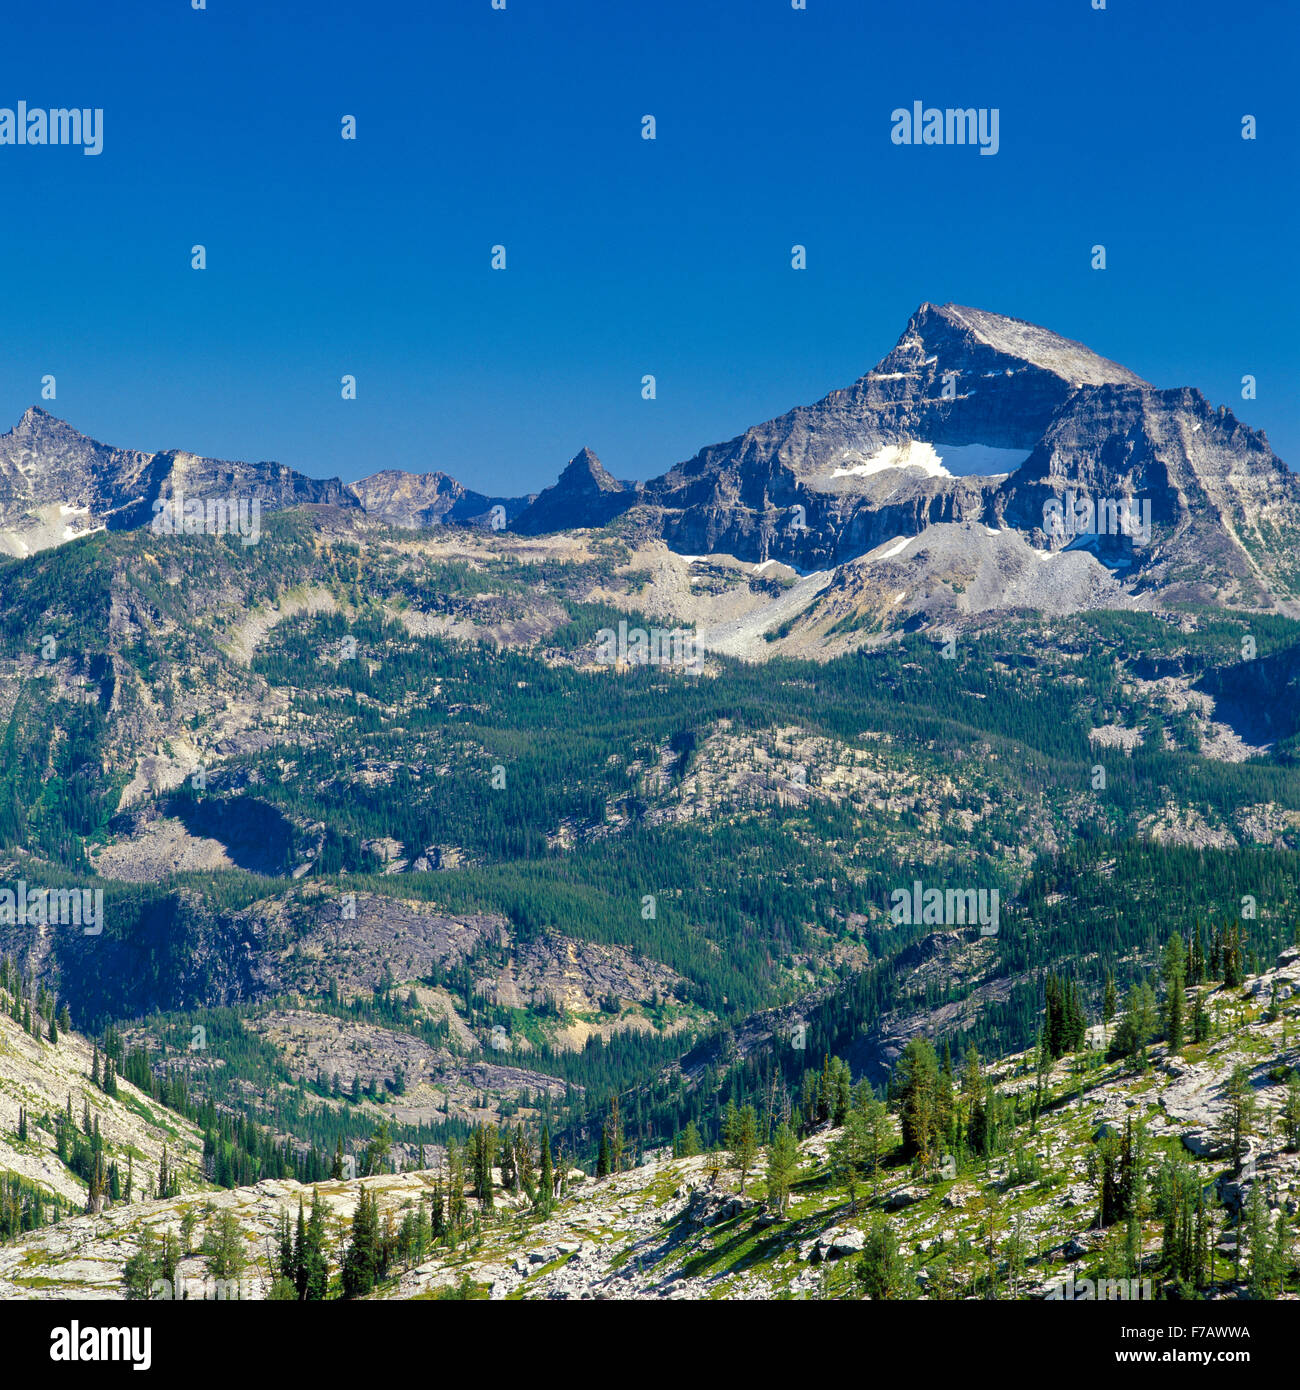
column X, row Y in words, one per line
column 410, row 852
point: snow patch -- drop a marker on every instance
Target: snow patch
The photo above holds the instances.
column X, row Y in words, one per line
column 913, row 454
column 892, row 549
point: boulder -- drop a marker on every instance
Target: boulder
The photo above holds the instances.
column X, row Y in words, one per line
column 844, row 1243
column 1204, row 1143
column 707, row 1208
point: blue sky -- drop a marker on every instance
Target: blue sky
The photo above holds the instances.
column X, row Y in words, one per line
column 625, row 256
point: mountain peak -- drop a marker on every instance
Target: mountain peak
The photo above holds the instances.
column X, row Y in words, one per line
column 51, row 437
column 584, row 470
column 585, row 494
column 940, row 327
column 34, row 420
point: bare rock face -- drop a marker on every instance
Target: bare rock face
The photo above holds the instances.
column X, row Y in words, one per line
column 57, row 484
column 1225, row 509
column 413, row 501
column 1005, row 378
column 963, row 397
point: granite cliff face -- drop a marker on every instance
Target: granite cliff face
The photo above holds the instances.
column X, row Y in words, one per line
column 57, row 484
column 412, row 501
column 1225, row 509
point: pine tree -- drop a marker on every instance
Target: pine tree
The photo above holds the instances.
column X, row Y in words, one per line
column 1238, row 1122
column 782, row 1169
column 524, row 1165
column 740, row 1134
column 1174, row 1020
column 1289, row 1120
column 546, row 1184
column 362, row 1260
column 483, row 1144
column 1233, row 959
column 917, row 1087
column 284, row 1254
column 95, row 1187
column 1263, row 1272
column 882, row 1271
column 141, row 1269
column 457, row 1210
column 1200, row 1018
column 1196, row 959
column 298, row 1255
column 1137, row 1026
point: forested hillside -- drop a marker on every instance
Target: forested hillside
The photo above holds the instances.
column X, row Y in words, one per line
column 370, row 810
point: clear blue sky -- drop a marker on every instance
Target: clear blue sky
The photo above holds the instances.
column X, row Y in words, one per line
column 625, row 257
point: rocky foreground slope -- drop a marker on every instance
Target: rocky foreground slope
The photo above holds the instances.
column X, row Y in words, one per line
column 1021, row 1224
column 46, row 1079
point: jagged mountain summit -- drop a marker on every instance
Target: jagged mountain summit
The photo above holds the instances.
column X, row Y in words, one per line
column 980, row 419
column 411, row 501
column 585, row 489
column 57, row 484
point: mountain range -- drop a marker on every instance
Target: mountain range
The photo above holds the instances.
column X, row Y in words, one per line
column 973, row 420
column 395, row 857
